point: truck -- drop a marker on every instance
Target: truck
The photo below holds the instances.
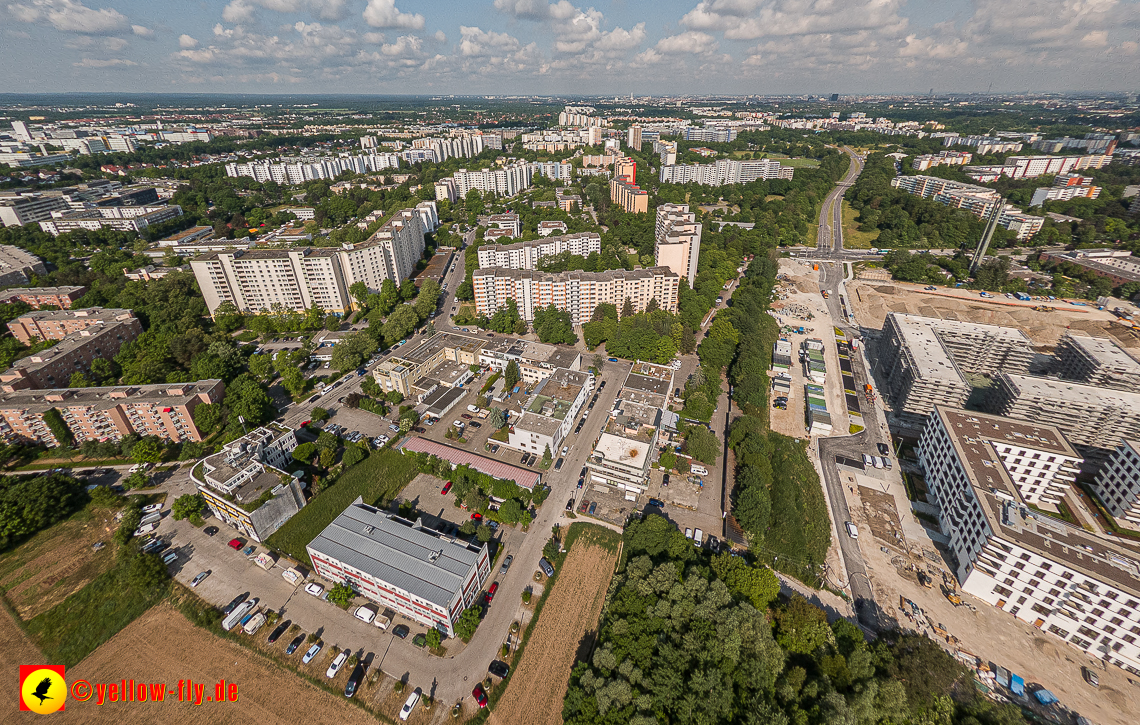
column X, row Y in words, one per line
column 1022, row 296
column 869, row 392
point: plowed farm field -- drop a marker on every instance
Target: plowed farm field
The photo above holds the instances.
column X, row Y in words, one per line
column 538, row 685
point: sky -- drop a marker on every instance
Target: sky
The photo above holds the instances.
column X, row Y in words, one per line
column 618, row 47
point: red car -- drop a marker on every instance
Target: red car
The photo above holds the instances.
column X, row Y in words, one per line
column 476, row 517
column 446, row 488
column 491, row 592
column 480, row 695
column 235, row 544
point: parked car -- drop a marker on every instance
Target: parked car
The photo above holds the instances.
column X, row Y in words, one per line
column 593, row 508
column 354, row 680
column 476, row 424
column 152, row 508
column 278, row 631
column 506, row 563
column 410, row 704
column 1090, row 676
column 420, row 640
column 446, row 488
column 480, row 695
column 297, row 642
column 558, row 464
column 401, row 631
column 336, row 665
column 364, row 614
column 200, row 578
column 547, row 569
column 476, row 516
column 490, row 595
column 315, row 589
column 498, row 668
column 570, row 504
column 235, row 544
column 884, row 449
column 229, row 608
column 210, row 530
column 465, row 416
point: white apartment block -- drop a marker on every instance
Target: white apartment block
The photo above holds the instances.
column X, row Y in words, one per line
column 677, row 240
column 20, row 209
column 1074, row 584
column 942, row 158
column 984, row 144
column 926, row 359
column 1029, row 167
column 546, row 228
column 1117, row 484
column 446, row 190
column 553, row 169
column 506, row 181
column 120, row 218
column 978, row 200
column 724, row 171
column 710, row 134
column 576, row 292
column 1065, row 187
column 552, row 408
column 526, row 255
column 301, row 169
column 297, row 278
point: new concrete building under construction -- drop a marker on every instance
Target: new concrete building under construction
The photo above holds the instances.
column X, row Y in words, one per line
column 1097, row 361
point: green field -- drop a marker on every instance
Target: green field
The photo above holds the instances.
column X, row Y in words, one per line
column 852, row 237
column 377, row 479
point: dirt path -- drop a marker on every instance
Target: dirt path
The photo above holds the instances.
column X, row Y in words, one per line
column 534, row 695
column 162, row 646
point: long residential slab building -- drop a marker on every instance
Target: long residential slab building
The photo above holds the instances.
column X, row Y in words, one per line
column 926, row 359
column 1117, row 483
column 299, row 277
column 527, row 255
column 165, row 410
column 402, row 565
column 575, row 292
column 978, row 200
column 725, row 171
column 1097, row 361
column 1076, row 585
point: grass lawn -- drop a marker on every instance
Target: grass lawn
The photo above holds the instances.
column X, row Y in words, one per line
column 852, row 237
column 800, row 163
column 72, row 630
column 377, row 479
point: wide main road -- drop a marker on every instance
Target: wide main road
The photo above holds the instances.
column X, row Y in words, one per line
column 830, row 236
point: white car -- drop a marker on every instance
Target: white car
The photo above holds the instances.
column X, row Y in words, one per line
column 336, row 665
column 565, row 450
column 198, row 579
column 152, row 508
column 410, row 705
column 458, row 424
column 315, row 589
column 364, row 614
column 311, row 653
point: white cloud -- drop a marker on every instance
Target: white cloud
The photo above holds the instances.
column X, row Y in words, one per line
column 242, row 11
column 109, row 63
column 70, row 16
column 385, row 14
column 186, row 42
column 439, row 36
column 621, row 39
column 478, row 42
column 691, row 42
column 537, row 9
column 752, row 19
column 142, row 31
column 405, row 46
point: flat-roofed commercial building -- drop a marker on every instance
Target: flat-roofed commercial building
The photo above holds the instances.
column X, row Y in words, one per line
column 1074, row 584
column 246, row 484
column 553, row 406
column 27, row 208
column 1117, row 484
column 37, row 297
column 1090, row 416
column 925, row 360
column 536, row 360
column 108, row 413
column 402, row 565
column 401, row 372
column 628, row 442
column 575, row 292
column 526, row 255
column 1097, row 361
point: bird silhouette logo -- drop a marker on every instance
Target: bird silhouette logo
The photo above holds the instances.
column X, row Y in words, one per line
column 42, row 688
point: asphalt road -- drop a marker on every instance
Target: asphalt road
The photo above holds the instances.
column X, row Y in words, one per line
column 829, row 238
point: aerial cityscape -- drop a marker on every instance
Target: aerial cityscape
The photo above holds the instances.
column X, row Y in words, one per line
column 732, row 361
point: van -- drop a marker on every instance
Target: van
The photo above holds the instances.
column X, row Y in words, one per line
column 698, row 537
column 699, row 470
column 145, row 529
column 381, row 621
column 472, row 409
column 851, row 530
column 364, row 614
column 151, row 518
column 170, row 557
column 410, row 704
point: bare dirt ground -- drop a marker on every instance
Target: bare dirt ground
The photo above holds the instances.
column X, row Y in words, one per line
column 17, row 650
column 534, row 695
column 56, row 563
column 872, row 301
column 162, row 646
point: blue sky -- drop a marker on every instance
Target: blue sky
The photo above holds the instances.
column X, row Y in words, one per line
column 567, row 47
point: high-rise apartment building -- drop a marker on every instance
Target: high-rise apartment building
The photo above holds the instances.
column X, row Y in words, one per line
column 27, row 208
column 1097, row 361
column 926, row 360
column 1090, row 416
column 123, row 219
column 575, row 292
column 710, row 135
column 165, row 410
column 1076, row 585
column 725, row 171
column 633, row 137
column 978, row 200
column 628, row 195
column 526, row 255
column 677, row 240
column 17, row 266
column 505, row 181
column 1117, row 483
column 300, row 277
column 300, row 169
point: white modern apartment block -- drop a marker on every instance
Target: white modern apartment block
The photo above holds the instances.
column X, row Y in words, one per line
column 307, row 168
column 942, row 158
column 546, row 228
column 505, row 181
column 1029, row 167
column 926, row 359
column 553, row 169
column 984, row 144
column 1065, row 187
column 576, row 292
column 119, row 218
column 402, row 565
column 633, row 137
column 1062, row 579
column 526, row 255
column 677, row 240
column 710, row 134
column 725, row 171
column 551, row 410
column 1117, row 484
column 299, row 277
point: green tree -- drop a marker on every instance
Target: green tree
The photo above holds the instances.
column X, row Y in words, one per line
column 483, row 534
column 319, row 415
column 802, row 627
column 554, row 326
column 496, row 418
column 434, row 639
column 359, row 292
column 467, row 623
column 327, row 441
column 511, row 375
column 304, row 453
column 702, row 444
column 546, row 456
column 341, row 595
column 261, row 366
column 352, row 456
column 395, row 397
column 136, row 480
column 187, row 505
column 148, row 450
column 400, row 324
